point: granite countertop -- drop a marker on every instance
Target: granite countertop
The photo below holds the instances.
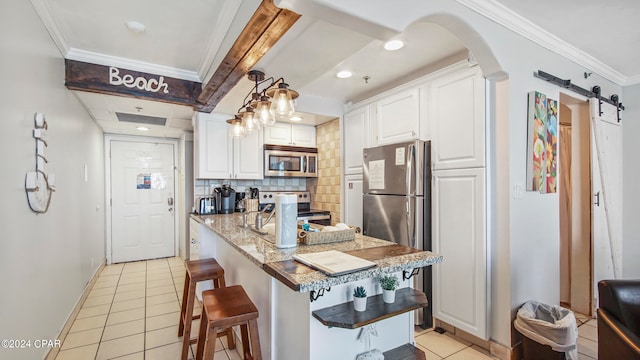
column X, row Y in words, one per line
column 389, row 256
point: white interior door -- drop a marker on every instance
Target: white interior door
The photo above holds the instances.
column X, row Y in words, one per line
column 606, row 182
column 142, row 195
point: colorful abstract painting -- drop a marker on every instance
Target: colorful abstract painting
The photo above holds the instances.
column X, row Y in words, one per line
column 551, row 147
column 537, row 134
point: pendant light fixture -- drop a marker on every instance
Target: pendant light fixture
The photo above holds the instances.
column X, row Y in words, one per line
column 264, row 105
column 238, row 130
column 282, row 105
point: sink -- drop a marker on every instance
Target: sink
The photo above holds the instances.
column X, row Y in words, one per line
column 267, row 232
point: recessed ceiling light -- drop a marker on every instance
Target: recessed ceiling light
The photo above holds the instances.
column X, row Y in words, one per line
column 344, row 74
column 295, row 118
column 142, row 128
column 135, row 26
column 393, row 45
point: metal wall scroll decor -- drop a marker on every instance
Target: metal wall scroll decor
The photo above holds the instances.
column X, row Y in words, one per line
column 315, row 295
column 38, row 184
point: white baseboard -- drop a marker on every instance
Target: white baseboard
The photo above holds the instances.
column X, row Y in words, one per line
column 53, row 352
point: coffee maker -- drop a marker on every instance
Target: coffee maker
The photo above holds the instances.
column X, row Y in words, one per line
column 225, row 199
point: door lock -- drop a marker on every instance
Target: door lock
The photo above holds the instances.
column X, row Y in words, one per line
column 170, row 201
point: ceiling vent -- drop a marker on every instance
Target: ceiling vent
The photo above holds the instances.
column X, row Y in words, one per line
column 141, row 119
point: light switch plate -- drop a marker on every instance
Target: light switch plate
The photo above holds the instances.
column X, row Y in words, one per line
column 518, row 191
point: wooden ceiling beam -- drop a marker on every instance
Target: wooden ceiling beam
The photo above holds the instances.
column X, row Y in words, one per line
column 267, row 25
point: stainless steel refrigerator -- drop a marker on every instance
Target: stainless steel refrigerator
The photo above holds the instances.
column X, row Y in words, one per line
column 397, row 203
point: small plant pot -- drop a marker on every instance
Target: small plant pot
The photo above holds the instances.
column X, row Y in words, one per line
column 359, row 303
column 389, row 296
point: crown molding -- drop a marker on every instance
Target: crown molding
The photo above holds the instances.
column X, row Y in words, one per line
column 633, row 80
column 44, row 12
column 108, row 60
column 500, row 14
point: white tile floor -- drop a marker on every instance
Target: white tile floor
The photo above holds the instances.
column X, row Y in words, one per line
column 446, row 346
column 132, row 312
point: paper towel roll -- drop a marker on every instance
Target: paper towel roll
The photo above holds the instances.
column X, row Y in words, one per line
column 286, row 220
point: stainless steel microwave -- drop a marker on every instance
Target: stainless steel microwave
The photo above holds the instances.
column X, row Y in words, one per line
column 290, row 161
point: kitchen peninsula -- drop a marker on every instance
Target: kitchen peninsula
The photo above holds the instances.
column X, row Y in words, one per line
column 293, row 299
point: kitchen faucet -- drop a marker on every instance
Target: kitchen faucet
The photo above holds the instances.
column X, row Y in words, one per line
column 259, row 223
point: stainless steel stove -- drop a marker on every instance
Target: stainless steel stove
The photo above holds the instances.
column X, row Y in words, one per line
column 305, row 212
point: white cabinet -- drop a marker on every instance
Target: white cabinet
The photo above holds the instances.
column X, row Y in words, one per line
column 457, row 120
column 353, row 200
column 303, row 135
column 194, row 240
column 282, row 133
column 248, row 156
column 219, row 155
column 356, row 130
column 459, row 235
column 397, row 117
column 213, row 147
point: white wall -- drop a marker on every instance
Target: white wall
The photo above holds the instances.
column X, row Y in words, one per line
column 533, row 241
column 45, row 260
column 631, row 173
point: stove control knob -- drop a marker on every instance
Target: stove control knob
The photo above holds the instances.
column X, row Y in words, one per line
column 270, row 196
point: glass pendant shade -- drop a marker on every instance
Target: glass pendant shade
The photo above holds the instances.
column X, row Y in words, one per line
column 263, row 111
column 249, row 121
column 282, row 104
column 237, row 130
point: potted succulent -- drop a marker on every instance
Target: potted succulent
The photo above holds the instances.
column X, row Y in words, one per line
column 359, row 298
column 388, row 283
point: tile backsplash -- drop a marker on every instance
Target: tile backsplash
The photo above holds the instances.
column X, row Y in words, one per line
column 205, row 187
column 325, row 190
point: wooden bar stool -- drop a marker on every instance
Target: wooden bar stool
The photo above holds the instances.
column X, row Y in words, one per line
column 223, row 308
column 198, row 270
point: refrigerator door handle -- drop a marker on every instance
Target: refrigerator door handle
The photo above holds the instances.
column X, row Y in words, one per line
column 411, row 238
column 412, row 150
